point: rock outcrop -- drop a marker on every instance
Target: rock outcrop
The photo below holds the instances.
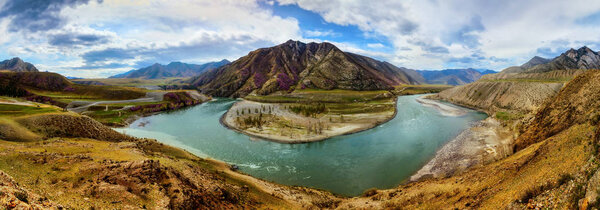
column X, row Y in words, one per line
column 582, row 58
column 17, row 65
column 14, row 196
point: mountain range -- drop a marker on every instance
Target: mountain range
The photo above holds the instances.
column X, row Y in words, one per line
column 294, row 64
column 173, row 69
column 17, row 65
column 453, row 76
column 582, row 58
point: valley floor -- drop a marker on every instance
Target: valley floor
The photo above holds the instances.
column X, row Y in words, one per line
column 51, row 158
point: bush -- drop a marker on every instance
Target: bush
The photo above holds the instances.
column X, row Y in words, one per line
column 22, row 196
column 284, row 81
column 564, row 178
column 326, row 203
column 535, row 191
column 308, row 110
column 578, row 193
column 370, row 192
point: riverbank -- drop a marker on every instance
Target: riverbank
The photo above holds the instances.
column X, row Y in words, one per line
column 485, row 142
column 281, row 124
column 444, row 109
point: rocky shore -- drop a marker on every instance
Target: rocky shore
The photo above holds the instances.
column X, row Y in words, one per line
column 484, row 142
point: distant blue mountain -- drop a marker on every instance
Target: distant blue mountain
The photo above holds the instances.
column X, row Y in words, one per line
column 173, row 69
column 486, row 71
column 123, row 75
column 453, row 76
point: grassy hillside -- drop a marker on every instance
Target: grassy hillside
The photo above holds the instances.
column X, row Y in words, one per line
column 55, row 89
column 79, row 163
column 510, row 92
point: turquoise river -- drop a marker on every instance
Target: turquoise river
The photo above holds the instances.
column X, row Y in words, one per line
column 382, row 157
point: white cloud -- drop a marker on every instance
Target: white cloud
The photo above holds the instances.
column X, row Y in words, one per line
column 317, row 33
column 375, row 45
column 504, row 29
column 428, row 34
column 188, row 30
column 6, row 36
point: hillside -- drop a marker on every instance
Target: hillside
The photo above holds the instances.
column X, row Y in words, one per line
column 296, row 65
column 522, row 89
column 19, row 84
column 17, row 65
column 453, row 76
column 54, row 89
column 576, row 103
column 173, row 69
column 582, row 58
column 555, row 169
column 65, row 160
column 555, row 164
column 495, row 96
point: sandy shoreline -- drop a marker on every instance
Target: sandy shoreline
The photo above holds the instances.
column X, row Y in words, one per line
column 369, row 120
column 442, row 108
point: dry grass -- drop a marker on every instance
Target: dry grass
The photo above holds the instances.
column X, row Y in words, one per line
column 523, row 175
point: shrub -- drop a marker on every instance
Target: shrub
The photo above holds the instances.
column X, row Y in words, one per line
column 13, row 90
column 578, row 193
column 284, row 81
column 370, row 192
column 259, row 80
column 326, row 203
column 308, row 110
column 69, row 89
column 535, row 191
column 22, row 196
column 564, row 178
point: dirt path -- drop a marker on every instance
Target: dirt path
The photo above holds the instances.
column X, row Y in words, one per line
column 81, row 106
column 15, row 102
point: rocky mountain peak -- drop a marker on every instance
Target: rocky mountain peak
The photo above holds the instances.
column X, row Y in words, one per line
column 16, row 60
column 18, row 65
column 294, row 44
column 579, row 53
column 536, row 60
column 582, row 58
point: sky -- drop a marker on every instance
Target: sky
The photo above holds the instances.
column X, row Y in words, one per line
column 100, row 38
